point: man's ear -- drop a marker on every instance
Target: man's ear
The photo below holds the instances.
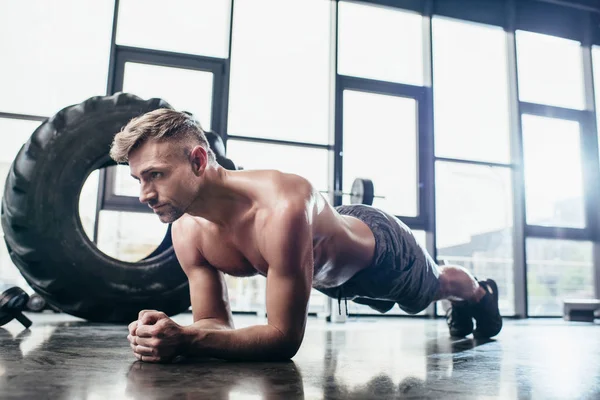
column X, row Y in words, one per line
column 199, row 159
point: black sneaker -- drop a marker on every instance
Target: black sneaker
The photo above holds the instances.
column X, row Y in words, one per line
column 486, row 312
column 459, row 319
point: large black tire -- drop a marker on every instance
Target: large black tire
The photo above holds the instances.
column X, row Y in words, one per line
column 43, row 231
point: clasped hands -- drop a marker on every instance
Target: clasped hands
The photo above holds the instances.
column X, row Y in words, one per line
column 155, row 337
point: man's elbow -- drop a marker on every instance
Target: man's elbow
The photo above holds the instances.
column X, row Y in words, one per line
column 293, row 347
column 287, row 350
column 286, row 344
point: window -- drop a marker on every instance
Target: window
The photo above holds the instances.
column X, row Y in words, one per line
column 126, row 236
column 88, row 199
column 550, row 70
column 54, row 54
column 380, row 43
column 470, row 91
column 125, row 185
column 380, row 143
column 247, row 294
column 184, row 26
column 129, row 236
column 553, row 172
column 311, row 163
column 184, row 89
column 557, row 270
column 475, row 223
column 279, row 84
column 13, row 133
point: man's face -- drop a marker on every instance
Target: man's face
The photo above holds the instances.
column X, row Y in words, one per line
column 166, row 178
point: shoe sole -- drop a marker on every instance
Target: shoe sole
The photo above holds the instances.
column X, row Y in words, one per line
column 492, row 285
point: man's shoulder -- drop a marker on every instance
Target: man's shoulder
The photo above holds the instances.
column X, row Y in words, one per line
column 300, row 185
column 183, row 223
column 288, row 215
column 282, row 188
column 188, row 226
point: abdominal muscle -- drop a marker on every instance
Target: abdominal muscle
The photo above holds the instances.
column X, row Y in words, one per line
column 342, row 246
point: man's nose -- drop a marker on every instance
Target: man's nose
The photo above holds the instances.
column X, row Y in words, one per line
column 147, row 194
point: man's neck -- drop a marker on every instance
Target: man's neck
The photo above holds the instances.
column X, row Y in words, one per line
column 220, row 201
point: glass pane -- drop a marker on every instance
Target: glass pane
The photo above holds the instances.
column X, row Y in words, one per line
column 557, row 270
column 355, row 308
column 475, row 223
column 280, row 70
column 380, row 43
column 369, row 121
column 471, row 91
column 129, row 236
column 553, row 177
column 317, row 303
column 125, row 185
column 184, row 89
column 13, row 133
column 421, row 237
column 247, row 294
column 550, row 70
column 88, row 199
column 184, row 26
column 312, row 164
column 54, row 54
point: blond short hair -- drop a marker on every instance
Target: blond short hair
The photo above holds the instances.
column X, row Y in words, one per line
column 162, row 124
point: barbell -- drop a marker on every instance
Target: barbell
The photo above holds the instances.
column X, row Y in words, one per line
column 362, row 192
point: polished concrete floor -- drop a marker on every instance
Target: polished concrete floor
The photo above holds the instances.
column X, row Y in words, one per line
column 62, row 357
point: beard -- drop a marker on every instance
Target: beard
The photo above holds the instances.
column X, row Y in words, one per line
column 168, row 214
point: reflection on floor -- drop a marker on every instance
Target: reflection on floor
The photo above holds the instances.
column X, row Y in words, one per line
column 64, row 357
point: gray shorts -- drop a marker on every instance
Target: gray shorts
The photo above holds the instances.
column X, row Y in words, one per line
column 402, row 271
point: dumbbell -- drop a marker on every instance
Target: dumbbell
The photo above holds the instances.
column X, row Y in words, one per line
column 12, row 303
column 36, row 303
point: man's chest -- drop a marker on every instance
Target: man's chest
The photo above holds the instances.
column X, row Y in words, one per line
column 236, row 255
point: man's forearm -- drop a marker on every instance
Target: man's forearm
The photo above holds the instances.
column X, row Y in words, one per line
column 254, row 343
column 211, row 323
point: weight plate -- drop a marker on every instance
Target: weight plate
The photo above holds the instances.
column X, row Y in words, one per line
column 363, row 191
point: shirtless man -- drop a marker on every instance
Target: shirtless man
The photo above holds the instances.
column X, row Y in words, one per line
column 244, row 223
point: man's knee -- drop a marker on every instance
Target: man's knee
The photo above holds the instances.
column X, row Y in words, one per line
column 445, row 281
column 378, row 305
